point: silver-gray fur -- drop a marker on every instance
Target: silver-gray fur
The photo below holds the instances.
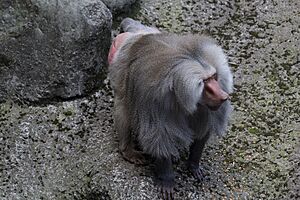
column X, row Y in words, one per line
column 158, row 82
column 133, row 26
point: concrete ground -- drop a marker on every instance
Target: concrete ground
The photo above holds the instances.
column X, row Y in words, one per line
column 68, row 150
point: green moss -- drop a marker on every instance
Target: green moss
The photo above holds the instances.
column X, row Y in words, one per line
column 253, row 130
column 68, row 112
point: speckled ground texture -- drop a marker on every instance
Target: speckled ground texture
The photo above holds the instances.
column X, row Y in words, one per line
column 68, row 150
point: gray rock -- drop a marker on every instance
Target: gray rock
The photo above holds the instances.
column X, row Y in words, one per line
column 52, row 49
column 118, row 5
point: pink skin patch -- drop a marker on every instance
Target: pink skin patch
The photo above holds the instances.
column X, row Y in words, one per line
column 121, row 38
column 117, row 43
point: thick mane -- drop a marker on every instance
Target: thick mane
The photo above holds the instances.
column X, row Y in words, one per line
column 164, row 94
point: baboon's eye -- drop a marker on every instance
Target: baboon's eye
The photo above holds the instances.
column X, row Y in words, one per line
column 215, row 76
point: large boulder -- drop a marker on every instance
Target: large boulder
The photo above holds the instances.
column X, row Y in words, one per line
column 52, row 49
